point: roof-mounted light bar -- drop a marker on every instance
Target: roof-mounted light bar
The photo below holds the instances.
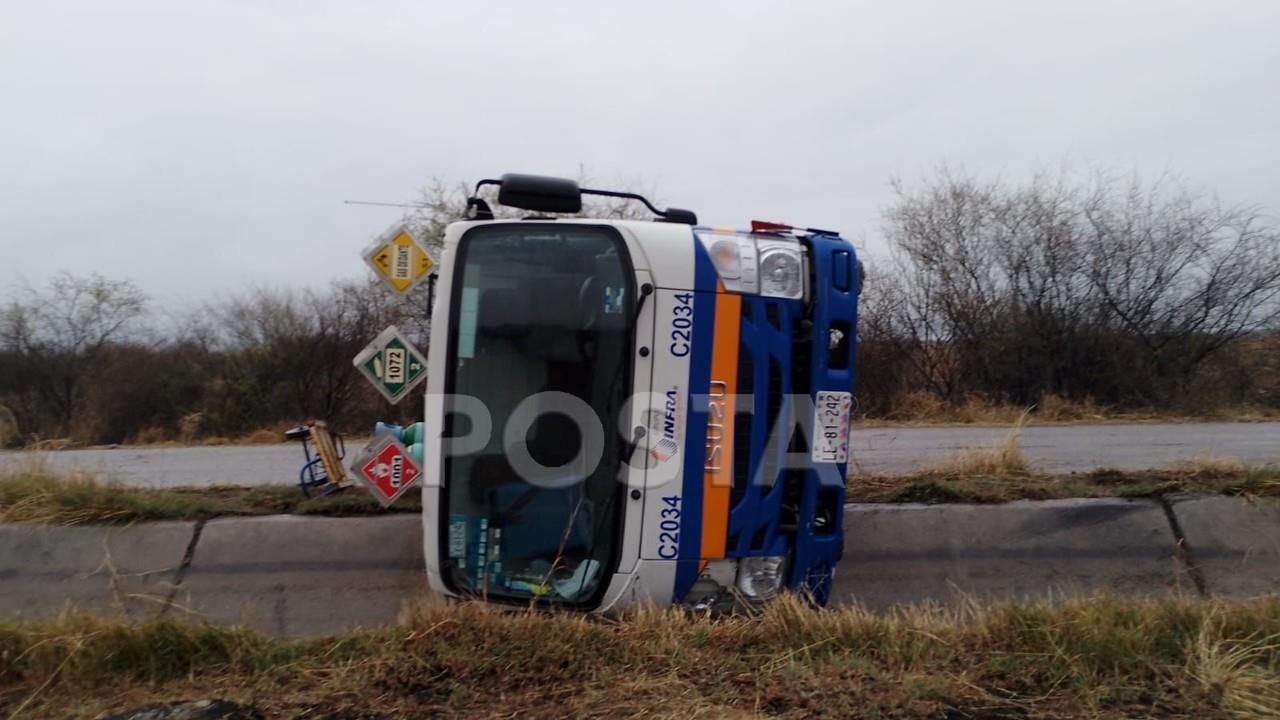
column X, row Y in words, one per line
column 556, row 195
column 766, row 226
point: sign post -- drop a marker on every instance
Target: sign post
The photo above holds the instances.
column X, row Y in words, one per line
column 386, row 468
column 392, row 364
column 399, row 258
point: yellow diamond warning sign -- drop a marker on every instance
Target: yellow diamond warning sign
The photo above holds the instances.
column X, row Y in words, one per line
column 399, row 258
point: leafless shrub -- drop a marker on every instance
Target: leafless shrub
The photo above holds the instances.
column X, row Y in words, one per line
column 1091, row 290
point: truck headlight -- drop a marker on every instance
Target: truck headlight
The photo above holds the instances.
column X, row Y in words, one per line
column 781, row 271
column 759, row 265
column 760, row 578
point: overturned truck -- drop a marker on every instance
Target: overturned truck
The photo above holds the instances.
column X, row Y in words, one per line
column 635, row 412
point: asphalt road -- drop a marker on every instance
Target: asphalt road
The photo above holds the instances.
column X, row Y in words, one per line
column 1058, row 448
column 1073, row 448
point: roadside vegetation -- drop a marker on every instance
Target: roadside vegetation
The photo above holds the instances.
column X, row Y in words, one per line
column 1096, row 658
column 915, row 412
column 933, row 486
column 154, row 436
column 35, row 493
column 1001, row 472
column 1077, row 293
column 924, row 409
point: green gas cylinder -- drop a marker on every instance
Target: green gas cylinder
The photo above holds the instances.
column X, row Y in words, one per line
column 413, row 434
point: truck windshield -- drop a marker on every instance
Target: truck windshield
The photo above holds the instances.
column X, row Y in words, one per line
column 541, row 323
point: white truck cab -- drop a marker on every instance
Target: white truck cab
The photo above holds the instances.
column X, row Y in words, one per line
column 627, row 412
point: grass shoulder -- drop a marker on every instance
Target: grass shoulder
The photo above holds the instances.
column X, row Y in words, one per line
column 37, row 494
column 1001, row 472
column 988, row 488
column 1102, row 658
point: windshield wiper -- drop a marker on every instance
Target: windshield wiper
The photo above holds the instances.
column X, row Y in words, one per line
column 629, row 448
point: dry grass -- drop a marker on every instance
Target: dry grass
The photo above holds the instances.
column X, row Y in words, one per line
column 922, row 408
column 1207, row 464
column 1098, row 658
column 1003, row 458
column 1055, row 408
column 261, row 436
column 9, row 435
column 932, row 487
column 1001, row 473
column 928, row 409
column 160, row 437
column 150, row 436
column 1234, row 673
column 155, row 436
column 43, row 444
column 34, row 493
column 1259, row 481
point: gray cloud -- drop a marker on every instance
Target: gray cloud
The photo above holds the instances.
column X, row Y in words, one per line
column 197, row 150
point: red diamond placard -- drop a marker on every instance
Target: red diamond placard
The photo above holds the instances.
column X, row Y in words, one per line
column 387, row 469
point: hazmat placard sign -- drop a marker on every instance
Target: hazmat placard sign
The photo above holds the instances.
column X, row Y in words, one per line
column 386, row 469
column 392, row 364
column 399, row 258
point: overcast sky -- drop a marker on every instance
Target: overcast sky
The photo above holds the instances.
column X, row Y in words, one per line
column 197, row 148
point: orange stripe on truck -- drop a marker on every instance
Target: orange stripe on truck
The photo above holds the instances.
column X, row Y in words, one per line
column 717, row 471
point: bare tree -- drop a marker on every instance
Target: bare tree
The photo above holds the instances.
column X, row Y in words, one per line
column 287, row 353
column 1180, row 273
column 345, row 317
column 60, row 332
column 1083, row 287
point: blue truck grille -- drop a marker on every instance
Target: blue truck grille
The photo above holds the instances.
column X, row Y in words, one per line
column 755, row 521
column 775, row 510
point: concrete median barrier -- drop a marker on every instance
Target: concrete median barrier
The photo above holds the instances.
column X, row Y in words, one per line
column 900, row 554
column 305, row 575
column 1234, row 543
column 293, row 575
column 131, row 569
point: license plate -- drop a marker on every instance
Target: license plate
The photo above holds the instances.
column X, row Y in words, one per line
column 831, row 426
